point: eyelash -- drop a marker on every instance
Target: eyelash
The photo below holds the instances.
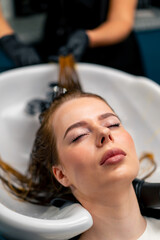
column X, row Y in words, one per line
column 114, row 125
column 111, row 126
column 78, row 137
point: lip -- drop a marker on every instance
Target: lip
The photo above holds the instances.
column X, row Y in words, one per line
column 112, row 156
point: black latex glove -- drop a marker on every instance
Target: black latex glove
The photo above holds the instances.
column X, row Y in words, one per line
column 77, row 44
column 20, row 54
column 63, row 51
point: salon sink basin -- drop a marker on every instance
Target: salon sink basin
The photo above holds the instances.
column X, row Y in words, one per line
column 136, row 101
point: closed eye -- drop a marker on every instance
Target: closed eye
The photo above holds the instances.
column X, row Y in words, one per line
column 114, row 125
column 78, row 137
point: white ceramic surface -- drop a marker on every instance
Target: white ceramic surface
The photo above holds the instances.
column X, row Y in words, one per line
column 136, row 101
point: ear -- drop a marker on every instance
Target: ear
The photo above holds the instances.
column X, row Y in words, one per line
column 59, row 174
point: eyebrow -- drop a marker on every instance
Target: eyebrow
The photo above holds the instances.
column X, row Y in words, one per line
column 106, row 115
column 83, row 123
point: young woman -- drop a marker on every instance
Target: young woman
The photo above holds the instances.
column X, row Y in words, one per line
column 82, row 151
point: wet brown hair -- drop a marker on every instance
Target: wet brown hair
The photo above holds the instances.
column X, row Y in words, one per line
column 38, row 185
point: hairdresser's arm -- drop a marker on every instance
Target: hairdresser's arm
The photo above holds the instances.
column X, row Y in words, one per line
column 117, row 26
column 5, row 28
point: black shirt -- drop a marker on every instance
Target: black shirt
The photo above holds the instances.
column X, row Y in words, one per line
column 64, row 17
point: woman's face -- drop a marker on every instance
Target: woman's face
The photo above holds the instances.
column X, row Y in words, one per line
column 95, row 151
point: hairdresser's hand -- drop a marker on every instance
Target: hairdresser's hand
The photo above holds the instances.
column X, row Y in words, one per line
column 20, row 54
column 77, row 44
column 63, row 51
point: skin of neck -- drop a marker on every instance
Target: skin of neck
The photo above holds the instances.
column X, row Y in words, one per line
column 115, row 217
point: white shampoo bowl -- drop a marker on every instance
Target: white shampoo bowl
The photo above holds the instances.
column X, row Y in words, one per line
column 135, row 99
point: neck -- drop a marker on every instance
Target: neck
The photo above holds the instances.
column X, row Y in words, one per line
column 115, row 217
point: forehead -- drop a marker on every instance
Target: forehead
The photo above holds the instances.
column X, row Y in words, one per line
column 77, row 110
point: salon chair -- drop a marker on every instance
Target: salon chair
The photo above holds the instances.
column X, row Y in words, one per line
column 136, row 101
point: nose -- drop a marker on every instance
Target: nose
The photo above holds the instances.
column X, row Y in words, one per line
column 104, row 136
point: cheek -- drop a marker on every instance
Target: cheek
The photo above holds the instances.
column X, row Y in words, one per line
column 126, row 140
column 77, row 163
column 129, row 147
column 131, row 166
column 130, row 144
column 76, row 158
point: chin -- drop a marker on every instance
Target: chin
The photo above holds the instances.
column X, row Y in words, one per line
column 125, row 174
